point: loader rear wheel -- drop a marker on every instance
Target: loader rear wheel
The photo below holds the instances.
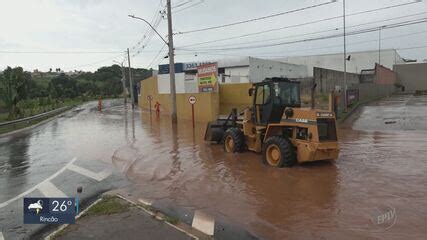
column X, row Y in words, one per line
column 234, row 140
column 279, row 152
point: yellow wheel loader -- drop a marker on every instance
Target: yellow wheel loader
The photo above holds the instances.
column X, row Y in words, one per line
column 277, row 126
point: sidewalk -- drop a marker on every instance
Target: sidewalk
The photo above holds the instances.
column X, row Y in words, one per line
column 115, row 218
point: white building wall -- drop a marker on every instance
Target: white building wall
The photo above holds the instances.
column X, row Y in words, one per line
column 163, row 83
column 358, row 61
column 235, row 75
column 239, row 70
column 261, row 69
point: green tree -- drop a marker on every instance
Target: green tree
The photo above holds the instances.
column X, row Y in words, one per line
column 62, row 87
column 14, row 88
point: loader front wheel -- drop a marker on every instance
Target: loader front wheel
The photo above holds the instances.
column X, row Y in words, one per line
column 234, row 140
column 278, row 152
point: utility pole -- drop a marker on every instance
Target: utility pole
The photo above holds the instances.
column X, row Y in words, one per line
column 379, row 55
column 345, row 61
column 124, row 83
column 379, row 45
column 171, row 63
column 130, row 82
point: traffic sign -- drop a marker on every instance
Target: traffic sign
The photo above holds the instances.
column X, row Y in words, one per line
column 192, row 100
column 149, row 98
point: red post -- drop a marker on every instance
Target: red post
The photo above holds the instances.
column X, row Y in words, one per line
column 100, row 103
column 192, row 101
column 192, row 113
column 150, row 106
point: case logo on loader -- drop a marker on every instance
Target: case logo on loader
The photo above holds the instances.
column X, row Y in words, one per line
column 301, row 120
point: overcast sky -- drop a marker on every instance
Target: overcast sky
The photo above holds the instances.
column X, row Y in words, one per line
column 87, row 34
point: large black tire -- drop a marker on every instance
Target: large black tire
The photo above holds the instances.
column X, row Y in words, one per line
column 234, row 141
column 279, row 152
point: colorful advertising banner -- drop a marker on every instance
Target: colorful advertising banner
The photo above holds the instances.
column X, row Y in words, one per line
column 207, row 76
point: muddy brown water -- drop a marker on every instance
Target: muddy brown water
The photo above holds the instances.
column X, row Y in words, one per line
column 375, row 190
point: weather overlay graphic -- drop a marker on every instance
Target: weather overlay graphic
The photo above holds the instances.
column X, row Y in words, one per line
column 50, row 210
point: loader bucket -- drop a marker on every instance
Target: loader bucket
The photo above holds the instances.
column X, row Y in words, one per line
column 215, row 131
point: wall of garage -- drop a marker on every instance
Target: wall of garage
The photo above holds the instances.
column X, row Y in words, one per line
column 234, row 96
column 413, row 76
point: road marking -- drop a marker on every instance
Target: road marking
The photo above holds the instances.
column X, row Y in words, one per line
column 4, row 204
column 1, row 236
column 50, row 190
column 83, row 171
column 203, row 222
column 145, row 201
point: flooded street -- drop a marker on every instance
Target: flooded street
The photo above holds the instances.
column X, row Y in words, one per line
column 376, row 189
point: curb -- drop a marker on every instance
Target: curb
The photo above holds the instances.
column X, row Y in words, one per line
column 196, row 221
column 182, row 227
column 62, row 227
column 160, row 216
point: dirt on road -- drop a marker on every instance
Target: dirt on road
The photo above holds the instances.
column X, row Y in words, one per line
column 376, row 189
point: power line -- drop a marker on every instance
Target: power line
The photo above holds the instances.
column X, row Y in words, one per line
column 322, row 31
column 255, row 19
column 187, row 7
column 268, row 54
column 59, row 52
column 299, row 25
column 148, row 33
column 151, row 33
column 401, row 24
column 358, row 42
column 350, row 44
column 180, row 4
column 409, row 48
column 156, row 57
column 100, row 61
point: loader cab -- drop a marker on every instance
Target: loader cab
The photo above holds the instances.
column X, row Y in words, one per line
column 271, row 97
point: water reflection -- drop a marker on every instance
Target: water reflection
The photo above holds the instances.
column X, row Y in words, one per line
column 174, row 162
column 14, row 164
column 330, row 200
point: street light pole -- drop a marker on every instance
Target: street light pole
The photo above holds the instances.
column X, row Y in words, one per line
column 345, row 61
column 130, row 82
column 171, row 57
column 158, row 34
column 171, row 63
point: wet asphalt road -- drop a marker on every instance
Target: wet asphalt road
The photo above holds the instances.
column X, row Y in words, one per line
column 376, row 190
column 72, row 150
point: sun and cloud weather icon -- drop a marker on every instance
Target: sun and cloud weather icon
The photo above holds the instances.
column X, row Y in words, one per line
column 37, row 206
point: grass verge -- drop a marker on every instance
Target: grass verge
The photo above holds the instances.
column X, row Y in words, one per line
column 107, row 206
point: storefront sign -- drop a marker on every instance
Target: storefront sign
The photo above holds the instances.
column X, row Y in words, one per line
column 207, row 76
column 193, row 65
column 164, row 68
